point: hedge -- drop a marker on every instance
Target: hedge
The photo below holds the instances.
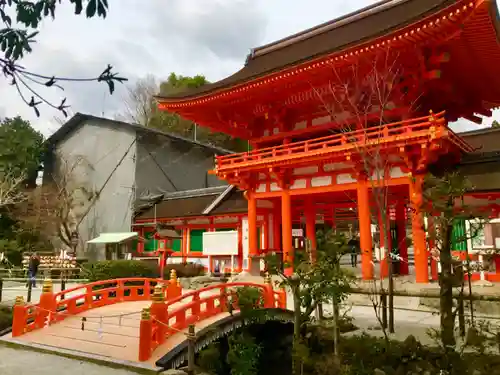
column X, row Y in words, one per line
column 5, row 317
column 117, row 269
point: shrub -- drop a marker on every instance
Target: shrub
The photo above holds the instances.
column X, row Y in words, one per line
column 117, row 269
column 5, row 317
column 185, row 270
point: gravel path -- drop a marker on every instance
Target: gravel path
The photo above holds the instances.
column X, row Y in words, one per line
column 24, row 362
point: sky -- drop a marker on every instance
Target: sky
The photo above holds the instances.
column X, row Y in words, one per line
column 156, row 37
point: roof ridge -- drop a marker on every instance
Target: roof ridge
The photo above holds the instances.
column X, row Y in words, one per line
column 80, row 117
column 379, row 6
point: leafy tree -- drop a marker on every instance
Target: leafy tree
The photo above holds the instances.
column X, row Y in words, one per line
column 21, row 147
column 141, row 108
column 443, row 198
column 17, row 39
column 21, row 152
column 243, row 355
column 313, row 283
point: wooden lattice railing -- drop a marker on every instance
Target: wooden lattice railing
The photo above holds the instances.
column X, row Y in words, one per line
column 395, row 134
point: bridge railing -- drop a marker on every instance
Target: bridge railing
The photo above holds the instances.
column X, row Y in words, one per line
column 165, row 319
column 54, row 307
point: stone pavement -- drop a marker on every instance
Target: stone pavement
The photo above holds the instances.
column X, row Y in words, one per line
column 27, row 362
column 13, row 289
column 111, row 332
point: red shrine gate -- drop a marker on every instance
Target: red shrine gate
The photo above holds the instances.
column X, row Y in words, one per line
column 343, row 109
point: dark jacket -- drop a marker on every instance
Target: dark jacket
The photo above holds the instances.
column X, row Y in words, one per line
column 354, row 245
column 33, row 264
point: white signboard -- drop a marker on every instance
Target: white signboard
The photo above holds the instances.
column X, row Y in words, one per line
column 220, row 243
column 298, row 232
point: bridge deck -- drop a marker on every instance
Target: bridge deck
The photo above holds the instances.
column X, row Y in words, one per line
column 109, row 331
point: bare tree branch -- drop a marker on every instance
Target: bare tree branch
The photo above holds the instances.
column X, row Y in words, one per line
column 11, row 190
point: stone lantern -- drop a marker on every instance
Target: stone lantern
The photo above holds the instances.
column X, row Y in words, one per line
column 165, row 238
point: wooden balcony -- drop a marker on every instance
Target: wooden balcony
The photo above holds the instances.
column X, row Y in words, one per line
column 423, row 130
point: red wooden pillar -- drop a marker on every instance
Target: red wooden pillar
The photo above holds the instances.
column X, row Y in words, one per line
column 252, row 225
column 431, row 229
column 402, row 244
column 365, row 234
column 240, row 246
column 277, row 226
column 265, row 232
column 417, row 223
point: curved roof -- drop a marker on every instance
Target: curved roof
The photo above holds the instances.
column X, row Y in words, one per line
column 369, row 23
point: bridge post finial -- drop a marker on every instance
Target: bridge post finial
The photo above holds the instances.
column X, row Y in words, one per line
column 267, row 278
column 191, row 336
column 47, row 286
column 158, row 293
column 18, row 317
column 145, row 335
column 173, row 275
column 159, row 313
column 174, row 288
column 47, row 304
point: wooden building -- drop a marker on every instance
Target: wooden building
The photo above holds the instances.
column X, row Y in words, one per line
column 341, row 110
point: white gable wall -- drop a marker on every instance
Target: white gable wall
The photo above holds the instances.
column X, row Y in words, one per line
column 94, row 152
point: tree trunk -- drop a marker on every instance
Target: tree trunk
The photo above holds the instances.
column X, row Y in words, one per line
column 336, row 327
column 319, row 312
column 297, row 323
column 446, row 294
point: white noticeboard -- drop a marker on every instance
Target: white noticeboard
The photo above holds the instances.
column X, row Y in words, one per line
column 220, row 243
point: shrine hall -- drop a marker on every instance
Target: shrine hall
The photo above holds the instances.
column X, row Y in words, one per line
column 337, row 114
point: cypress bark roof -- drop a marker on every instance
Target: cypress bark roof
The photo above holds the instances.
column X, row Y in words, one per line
column 379, row 19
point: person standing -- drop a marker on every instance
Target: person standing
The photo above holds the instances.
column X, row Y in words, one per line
column 33, row 263
column 355, row 250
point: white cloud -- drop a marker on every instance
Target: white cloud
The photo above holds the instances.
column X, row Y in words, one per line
column 141, row 37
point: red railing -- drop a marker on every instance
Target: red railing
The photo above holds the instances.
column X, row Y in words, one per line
column 170, row 312
column 433, row 126
column 166, row 320
column 57, row 306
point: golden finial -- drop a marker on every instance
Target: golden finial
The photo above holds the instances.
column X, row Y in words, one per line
column 158, row 293
column 173, row 275
column 47, row 286
column 19, row 301
column 267, row 278
column 145, row 314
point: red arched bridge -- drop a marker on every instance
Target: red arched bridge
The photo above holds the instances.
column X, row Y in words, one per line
column 135, row 319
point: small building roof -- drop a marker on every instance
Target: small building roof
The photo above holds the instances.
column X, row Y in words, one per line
column 113, row 237
column 200, row 202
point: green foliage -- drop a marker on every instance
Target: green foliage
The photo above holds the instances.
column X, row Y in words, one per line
column 210, row 359
column 321, row 281
column 248, row 300
column 184, row 270
column 144, row 110
column 495, row 124
column 117, row 269
column 21, row 148
column 5, row 317
column 243, row 355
